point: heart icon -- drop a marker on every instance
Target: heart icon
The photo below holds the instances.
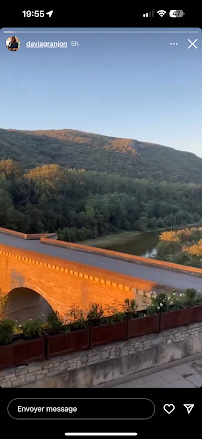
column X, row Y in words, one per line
column 169, row 408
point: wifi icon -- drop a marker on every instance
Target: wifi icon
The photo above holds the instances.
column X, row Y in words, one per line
column 161, row 13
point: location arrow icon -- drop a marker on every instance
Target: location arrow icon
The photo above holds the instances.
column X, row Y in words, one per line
column 188, row 407
column 49, row 13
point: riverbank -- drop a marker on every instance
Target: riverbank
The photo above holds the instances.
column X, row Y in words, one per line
column 113, row 238
column 130, row 236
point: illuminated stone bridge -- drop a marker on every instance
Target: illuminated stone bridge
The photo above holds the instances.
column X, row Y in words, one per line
column 65, row 273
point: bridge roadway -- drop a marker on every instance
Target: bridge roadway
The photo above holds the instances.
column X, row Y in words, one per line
column 158, row 275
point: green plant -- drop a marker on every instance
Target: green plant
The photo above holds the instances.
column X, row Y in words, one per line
column 198, row 298
column 130, row 308
column 150, row 311
column 95, row 312
column 54, row 321
column 76, row 318
column 190, row 297
column 175, row 301
column 160, row 303
column 114, row 315
column 32, row 329
column 7, row 329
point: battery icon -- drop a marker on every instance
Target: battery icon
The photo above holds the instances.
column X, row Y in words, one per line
column 176, row 13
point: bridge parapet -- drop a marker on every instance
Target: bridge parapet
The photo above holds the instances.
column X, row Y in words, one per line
column 49, row 238
column 30, row 236
column 123, row 256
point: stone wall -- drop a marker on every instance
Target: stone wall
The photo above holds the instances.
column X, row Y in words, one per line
column 109, row 362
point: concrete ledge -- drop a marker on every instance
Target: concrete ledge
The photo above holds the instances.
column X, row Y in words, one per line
column 29, row 236
column 13, row 232
column 37, row 236
column 130, row 258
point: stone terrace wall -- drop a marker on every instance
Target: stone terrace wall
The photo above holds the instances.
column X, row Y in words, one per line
column 109, row 362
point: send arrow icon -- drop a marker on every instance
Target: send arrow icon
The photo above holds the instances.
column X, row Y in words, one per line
column 189, row 407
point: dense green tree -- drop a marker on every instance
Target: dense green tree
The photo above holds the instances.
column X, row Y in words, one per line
column 181, row 247
column 166, row 249
column 85, row 204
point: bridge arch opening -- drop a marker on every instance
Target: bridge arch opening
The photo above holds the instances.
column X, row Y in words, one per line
column 24, row 304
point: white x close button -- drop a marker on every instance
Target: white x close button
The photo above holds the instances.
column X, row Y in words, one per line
column 192, row 44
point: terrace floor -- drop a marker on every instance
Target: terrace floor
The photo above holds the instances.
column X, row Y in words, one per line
column 185, row 373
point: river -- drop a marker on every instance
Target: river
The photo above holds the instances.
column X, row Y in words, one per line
column 143, row 245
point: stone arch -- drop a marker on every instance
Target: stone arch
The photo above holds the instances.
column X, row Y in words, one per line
column 27, row 302
column 34, row 288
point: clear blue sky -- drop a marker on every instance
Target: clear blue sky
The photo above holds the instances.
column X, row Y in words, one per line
column 125, row 85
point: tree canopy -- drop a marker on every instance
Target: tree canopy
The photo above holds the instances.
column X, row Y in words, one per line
column 181, row 247
column 82, row 204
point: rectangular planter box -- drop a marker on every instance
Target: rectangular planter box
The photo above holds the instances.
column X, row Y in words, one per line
column 195, row 314
column 62, row 344
column 174, row 319
column 143, row 326
column 21, row 352
column 100, row 335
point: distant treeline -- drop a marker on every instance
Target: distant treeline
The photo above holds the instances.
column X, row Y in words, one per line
column 83, row 205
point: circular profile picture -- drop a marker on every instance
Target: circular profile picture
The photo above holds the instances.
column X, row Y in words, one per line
column 13, row 43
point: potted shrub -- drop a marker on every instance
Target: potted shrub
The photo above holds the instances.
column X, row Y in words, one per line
column 140, row 322
column 95, row 314
column 106, row 329
column 20, row 345
column 173, row 311
column 7, row 328
column 193, row 300
column 64, row 337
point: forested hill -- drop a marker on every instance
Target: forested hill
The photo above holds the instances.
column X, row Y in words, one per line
column 89, row 204
column 94, row 152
